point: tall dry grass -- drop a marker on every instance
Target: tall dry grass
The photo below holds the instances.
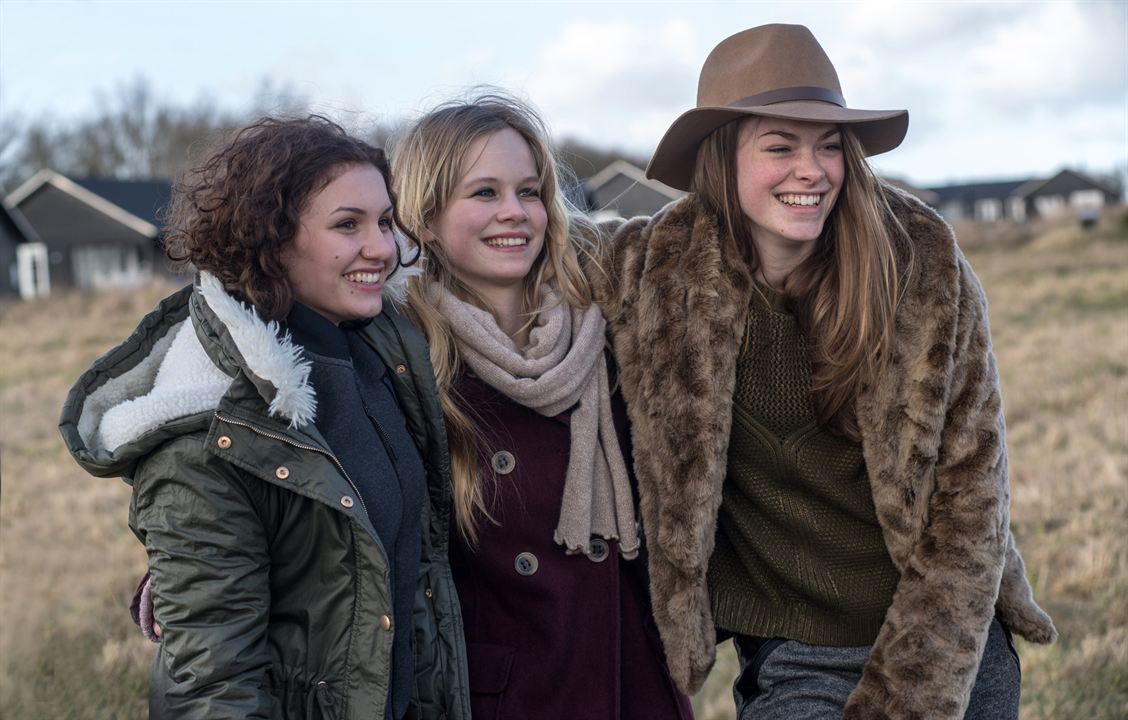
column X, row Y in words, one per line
column 1059, row 311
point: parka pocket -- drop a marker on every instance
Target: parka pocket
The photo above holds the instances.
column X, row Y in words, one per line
column 489, row 667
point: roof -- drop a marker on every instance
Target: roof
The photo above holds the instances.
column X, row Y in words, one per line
column 973, row 192
column 1065, row 181
column 133, row 203
column 14, row 220
column 928, row 197
column 145, row 199
column 622, row 167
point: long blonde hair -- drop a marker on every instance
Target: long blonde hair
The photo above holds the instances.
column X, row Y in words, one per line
column 428, row 164
column 845, row 294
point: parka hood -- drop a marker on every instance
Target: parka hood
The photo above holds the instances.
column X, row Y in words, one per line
column 172, row 372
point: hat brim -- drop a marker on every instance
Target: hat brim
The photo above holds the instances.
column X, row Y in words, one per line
column 674, row 159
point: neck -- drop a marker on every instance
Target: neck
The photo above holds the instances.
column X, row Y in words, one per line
column 776, row 263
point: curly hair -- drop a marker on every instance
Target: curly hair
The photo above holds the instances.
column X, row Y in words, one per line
column 234, row 214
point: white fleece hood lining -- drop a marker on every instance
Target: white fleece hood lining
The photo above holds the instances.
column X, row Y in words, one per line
column 178, row 379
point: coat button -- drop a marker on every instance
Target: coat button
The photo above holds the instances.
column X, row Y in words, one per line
column 429, row 592
column 503, row 462
column 346, row 501
column 223, row 442
column 599, row 550
column 385, row 622
column 401, row 369
column 282, row 472
column 526, row 563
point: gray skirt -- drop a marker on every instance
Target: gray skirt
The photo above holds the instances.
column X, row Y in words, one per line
column 789, row 680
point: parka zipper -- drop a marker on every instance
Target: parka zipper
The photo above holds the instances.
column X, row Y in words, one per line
column 301, row 446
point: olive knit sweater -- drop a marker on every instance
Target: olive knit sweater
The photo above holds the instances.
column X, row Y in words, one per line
column 799, row 551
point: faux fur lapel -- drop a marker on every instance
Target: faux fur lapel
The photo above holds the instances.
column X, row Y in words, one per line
column 677, row 378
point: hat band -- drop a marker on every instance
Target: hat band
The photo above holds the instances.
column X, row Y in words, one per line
column 792, row 93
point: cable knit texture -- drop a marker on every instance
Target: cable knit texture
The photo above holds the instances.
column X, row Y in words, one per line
column 676, row 297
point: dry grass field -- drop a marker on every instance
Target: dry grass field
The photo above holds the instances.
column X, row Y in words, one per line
column 1059, row 310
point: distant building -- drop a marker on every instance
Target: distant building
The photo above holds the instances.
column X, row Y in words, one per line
column 1026, row 199
column 95, row 232
column 623, row 190
column 23, row 268
column 1067, row 192
column 928, row 197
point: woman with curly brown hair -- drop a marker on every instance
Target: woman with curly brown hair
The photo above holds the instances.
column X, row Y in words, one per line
column 282, row 433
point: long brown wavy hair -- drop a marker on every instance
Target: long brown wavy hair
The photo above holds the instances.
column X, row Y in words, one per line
column 428, row 167
column 845, row 294
column 235, row 213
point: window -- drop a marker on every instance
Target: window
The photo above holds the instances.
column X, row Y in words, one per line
column 100, row 266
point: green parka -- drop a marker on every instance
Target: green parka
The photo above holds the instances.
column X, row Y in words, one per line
column 269, row 581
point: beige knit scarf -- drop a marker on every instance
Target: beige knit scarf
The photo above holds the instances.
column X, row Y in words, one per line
column 563, row 367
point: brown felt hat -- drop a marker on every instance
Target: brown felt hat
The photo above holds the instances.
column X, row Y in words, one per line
column 776, row 71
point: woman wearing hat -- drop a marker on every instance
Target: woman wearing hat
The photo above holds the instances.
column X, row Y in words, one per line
column 818, row 432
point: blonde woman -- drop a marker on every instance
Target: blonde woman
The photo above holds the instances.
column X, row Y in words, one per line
column 545, row 543
column 818, row 433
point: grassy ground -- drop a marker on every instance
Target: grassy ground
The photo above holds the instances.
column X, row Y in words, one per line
column 1059, row 311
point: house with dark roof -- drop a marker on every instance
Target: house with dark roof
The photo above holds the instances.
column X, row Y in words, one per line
column 985, row 202
column 622, row 190
column 1068, row 192
column 23, row 269
column 97, row 232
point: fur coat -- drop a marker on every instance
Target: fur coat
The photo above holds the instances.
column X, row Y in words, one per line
column 676, row 299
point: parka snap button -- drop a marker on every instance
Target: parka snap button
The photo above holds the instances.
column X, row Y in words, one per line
column 526, row 563
column 599, row 550
column 223, row 442
column 503, row 462
column 401, row 369
column 346, row 501
column 429, row 592
column 385, row 622
column 282, row 472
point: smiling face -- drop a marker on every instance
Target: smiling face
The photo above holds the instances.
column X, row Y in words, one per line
column 789, row 174
column 492, row 227
column 344, row 247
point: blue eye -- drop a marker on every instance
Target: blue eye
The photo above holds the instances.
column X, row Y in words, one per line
column 385, row 222
column 531, row 192
column 484, row 192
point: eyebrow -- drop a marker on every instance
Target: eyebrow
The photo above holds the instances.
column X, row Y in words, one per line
column 792, row 136
column 472, row 180
column 359, row 211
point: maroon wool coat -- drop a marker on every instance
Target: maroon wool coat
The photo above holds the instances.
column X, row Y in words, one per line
column 549, row 635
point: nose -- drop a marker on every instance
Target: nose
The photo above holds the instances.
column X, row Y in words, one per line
column 808, row 166
column 512, row 209
column 379, row 246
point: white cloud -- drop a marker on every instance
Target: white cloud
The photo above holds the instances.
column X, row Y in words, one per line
column 616, row 84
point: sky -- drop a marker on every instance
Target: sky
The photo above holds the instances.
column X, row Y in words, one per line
column 995, row 90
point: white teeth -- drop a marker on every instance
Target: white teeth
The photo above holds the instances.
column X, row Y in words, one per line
column 803, row 200
column 363, row 277
column 507, row 242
